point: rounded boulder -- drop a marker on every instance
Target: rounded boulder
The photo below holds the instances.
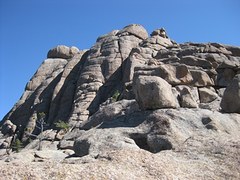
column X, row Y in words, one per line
column 152, row 92
column 136, row 30
column 63, row 52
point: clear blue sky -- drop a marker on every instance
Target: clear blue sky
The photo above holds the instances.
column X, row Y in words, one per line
column 29, row 28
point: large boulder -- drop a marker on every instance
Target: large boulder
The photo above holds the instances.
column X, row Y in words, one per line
column 186, row 97
column 207, row 95
column 97, row 141
column 62, row 51
column 201, row 78
column 136, row 30
column 231, row 98
column 152, row 92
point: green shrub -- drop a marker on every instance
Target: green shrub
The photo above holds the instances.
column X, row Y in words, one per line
column 62, row 125
column 115, row 96
column 17, row 145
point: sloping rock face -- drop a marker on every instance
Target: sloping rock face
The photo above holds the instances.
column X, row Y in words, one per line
column 144, row 102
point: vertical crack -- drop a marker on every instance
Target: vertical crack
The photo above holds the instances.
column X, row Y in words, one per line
column 119, row 48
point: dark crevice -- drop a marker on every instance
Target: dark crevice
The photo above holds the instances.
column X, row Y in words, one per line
column 141, row 141
column 153, row 144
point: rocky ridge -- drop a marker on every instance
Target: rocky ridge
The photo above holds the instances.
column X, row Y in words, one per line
column 147, row 102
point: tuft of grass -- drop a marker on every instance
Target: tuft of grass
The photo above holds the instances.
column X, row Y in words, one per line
column 62, row 125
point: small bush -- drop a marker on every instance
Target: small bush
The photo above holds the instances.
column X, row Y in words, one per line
column 62, row 125
column 17, row 145
column 115, row 96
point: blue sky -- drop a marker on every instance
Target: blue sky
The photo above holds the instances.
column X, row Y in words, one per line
column 29, row 28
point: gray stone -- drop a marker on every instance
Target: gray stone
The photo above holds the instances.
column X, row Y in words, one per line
column 24, row 156
column 4, row 145
column 186, row 97
column 195, row 61
column 97, row 143
column 161, row 130
column 159, row 32
column 3, row 152
column 45, row 145
column 234, row 50
column 157, row 43
column 174, row 75
column 60, row 134
column 51, row 154
column 153, row 92
column 62, row 51
column 136, row 30
column 221, row 91
column 207, row 95
column 69, row 152
column 225, row 77
column 102, row 69
column 49, row 134
column 201, row 78
column 64, row 144
column 231, row 98
column 110, row 111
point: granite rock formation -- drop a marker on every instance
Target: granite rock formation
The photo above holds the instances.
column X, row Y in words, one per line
column 134, row 101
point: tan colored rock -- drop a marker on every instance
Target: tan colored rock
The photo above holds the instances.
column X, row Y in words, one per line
column 136, row 30
column 64, row 144
column 157, row 43
column 62, row 51
column 102, row 68
column 200, row 78
column 195, row 61
column 174, row 75
column 152, row 92
column 160, row 32
column 207, row 95
column 50, row 154
column 186, row 97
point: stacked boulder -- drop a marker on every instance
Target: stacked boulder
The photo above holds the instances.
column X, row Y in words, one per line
column 197, row 73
